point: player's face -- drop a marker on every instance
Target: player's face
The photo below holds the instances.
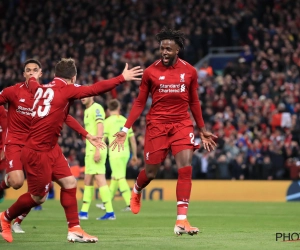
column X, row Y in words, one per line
column 32, row 70
column 168, row 51
column 86, row 101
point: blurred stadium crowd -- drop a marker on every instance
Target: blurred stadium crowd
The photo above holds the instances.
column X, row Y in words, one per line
column 253, row 106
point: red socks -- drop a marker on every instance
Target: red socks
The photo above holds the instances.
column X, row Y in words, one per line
column 183, row 191
column 69, row 203
column 20, row 218
column 22, row 205
column 141, row 182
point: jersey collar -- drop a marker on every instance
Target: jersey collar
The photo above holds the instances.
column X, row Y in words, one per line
column 172, row 66
column 26, row 84
column 57, row 79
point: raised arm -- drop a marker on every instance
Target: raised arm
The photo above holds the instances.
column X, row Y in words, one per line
column 77, row 92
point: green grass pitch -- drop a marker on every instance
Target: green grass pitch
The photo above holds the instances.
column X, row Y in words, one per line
column 223, row 225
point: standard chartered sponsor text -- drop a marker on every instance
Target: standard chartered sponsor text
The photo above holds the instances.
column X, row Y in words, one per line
column 24, row 111
column 170, row 88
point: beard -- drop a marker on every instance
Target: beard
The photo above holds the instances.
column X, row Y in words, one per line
column 170, row 61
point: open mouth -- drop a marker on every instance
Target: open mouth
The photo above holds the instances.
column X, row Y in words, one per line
column 166, row 60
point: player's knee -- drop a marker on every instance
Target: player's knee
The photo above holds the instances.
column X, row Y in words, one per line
column 67, row 182
column 72, row 183
column 39, row 199
column 16, row 184
column 151, row 175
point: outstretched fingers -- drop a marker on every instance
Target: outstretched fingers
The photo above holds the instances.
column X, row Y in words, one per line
column 213, row 143
column 113, row 146
column 102, row 145
column 135, row 68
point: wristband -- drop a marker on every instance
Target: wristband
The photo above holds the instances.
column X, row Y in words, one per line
column 124, row 129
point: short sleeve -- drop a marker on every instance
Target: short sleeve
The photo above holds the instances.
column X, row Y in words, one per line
column 98, row 114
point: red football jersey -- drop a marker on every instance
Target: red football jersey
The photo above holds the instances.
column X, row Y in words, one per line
column 3, row 126
column 173, row 89
column 20, row 102
column 51, row 107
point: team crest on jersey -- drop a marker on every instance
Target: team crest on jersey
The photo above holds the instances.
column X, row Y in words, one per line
column 182, row 77
column 98, row 113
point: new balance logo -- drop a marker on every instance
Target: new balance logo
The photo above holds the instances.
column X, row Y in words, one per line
column 161, row 78
column 11, row 164
column 147, row 156
column 22, row 100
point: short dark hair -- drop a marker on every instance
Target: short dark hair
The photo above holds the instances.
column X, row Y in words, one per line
column 65, row 68
column 113, row 105
column 176, row 35
column 31, row 60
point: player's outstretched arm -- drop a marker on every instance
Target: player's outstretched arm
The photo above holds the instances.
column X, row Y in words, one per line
column 75, row 91
column 74, row 124
column 119, row 141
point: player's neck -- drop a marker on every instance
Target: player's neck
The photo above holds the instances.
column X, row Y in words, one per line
column 114, row 113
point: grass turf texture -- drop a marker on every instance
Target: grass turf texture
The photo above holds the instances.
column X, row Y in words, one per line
column 223, row 225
